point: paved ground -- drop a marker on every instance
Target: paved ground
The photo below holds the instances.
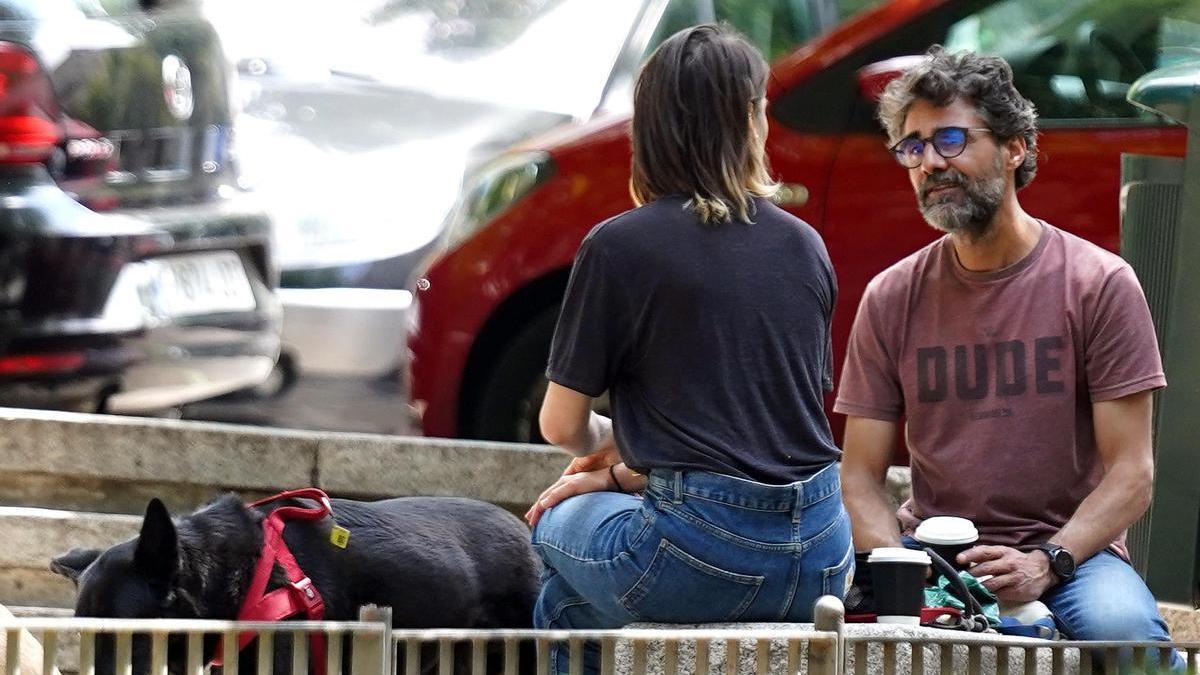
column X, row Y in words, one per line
column 322, row 404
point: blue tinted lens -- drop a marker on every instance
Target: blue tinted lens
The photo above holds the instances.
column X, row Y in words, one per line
column 949, row 142
column 910, row 150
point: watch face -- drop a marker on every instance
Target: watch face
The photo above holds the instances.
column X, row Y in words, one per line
column 1063, row 563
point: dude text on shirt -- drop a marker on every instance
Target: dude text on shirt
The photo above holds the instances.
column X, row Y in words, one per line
column 1002, row 368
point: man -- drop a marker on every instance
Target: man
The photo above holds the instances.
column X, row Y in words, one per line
column 1022, row 357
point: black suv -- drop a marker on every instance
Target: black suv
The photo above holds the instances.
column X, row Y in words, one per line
column 135, row 275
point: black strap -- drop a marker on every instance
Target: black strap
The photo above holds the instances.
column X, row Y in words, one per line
column 974, row 611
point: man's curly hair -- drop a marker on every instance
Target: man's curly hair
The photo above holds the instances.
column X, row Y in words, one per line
column 984, row 81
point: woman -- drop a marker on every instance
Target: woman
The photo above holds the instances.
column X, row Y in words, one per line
column 705, row 314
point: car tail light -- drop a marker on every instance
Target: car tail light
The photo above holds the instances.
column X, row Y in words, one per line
column 41, row 364
column 28, row 110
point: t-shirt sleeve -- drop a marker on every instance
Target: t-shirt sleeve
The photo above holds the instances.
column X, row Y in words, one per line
column 1122, row 349
column 870, row 385
column 831, row 302
column 587, row 338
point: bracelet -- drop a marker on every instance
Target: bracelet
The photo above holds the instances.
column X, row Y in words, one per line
column 612, row 473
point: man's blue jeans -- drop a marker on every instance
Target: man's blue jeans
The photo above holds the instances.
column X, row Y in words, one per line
column 1107, row 600
column 698, row 547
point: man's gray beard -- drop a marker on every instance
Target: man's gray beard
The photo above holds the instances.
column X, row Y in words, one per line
column 973, row 217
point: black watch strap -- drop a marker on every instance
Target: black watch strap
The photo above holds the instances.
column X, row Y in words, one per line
column 1062, row 563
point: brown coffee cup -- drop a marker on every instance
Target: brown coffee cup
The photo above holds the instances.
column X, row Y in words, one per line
column 898, row 581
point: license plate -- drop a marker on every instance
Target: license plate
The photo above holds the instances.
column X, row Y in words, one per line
column 202, row 283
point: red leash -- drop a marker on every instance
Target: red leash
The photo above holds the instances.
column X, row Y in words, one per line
column 300, row 595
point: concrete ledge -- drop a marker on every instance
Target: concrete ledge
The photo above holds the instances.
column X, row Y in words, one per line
column 1183, row 622
column 33, row 536
column 114, row 464
column 899, row 484
column 508, row 474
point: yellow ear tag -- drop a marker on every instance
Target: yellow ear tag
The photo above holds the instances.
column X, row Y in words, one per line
column 339, row 536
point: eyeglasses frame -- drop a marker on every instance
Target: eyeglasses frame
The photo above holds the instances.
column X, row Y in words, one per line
column 928, row 141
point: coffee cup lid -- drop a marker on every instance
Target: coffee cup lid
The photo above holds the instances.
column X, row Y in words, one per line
column 900, row 555
column 946, row 531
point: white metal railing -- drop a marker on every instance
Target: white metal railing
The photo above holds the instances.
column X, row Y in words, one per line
column 371, row 647
column 956, row 654
column 684, row 650
column 159, row 646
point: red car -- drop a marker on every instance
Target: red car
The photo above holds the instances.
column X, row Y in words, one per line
column 487, row 303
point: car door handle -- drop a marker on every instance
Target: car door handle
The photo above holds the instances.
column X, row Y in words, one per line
column 792, row 194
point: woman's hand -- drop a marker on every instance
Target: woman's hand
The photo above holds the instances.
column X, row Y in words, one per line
column 569, row 485
column 601, row 459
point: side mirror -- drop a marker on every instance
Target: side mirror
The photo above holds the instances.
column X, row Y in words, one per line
column 1172, row 92
column 874, row 77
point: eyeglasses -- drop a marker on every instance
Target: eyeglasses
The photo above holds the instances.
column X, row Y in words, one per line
column 949, row 142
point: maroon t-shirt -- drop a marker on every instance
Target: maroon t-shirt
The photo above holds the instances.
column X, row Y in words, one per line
column 996, row 374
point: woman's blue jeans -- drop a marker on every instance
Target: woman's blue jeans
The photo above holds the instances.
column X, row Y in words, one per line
column 697, row 547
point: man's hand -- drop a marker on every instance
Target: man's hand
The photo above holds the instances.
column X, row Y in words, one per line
column 1016, row 576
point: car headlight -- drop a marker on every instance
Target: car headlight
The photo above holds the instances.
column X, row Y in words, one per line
column 493, row 189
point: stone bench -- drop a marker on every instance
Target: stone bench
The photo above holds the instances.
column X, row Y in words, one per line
column 747, row 655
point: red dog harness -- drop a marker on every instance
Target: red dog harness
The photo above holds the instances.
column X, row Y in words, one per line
column 300, row 595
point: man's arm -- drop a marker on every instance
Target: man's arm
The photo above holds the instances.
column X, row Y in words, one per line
column 567, row 420
column 1123, row 431
column 867, row 454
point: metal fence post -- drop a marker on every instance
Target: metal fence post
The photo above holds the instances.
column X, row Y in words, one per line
column 824, row 658
column 372, row 652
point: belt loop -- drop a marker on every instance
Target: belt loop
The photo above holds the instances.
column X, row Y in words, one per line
column 677, row 490
column 798, row 502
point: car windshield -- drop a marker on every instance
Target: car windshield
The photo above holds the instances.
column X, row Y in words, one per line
column 1109, row 44
column 501, row 53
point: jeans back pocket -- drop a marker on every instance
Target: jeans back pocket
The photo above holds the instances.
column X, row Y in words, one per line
column 679, row 588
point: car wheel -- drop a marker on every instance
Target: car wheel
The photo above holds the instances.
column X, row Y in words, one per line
column 512, row 396
column 279, row 382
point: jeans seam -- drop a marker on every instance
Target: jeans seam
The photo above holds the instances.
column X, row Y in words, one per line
column 836, row 569
column 648, row 519
column 793, row 584
column 564, row 606
column 710, row 500
column 572, row 556
column 820, row 499
column 823, row 534
column 726, row 534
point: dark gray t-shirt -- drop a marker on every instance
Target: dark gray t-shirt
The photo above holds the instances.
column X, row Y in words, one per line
column 712, row 341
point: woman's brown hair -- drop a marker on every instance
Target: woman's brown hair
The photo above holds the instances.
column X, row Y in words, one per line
column 691, row 124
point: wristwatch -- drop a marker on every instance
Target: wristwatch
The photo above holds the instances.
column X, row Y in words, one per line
column 1062, row 563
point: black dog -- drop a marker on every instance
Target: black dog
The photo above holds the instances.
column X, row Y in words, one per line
column 438, row 562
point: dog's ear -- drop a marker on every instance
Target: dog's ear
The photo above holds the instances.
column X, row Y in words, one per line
column 72, row 563
column 157, row 546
